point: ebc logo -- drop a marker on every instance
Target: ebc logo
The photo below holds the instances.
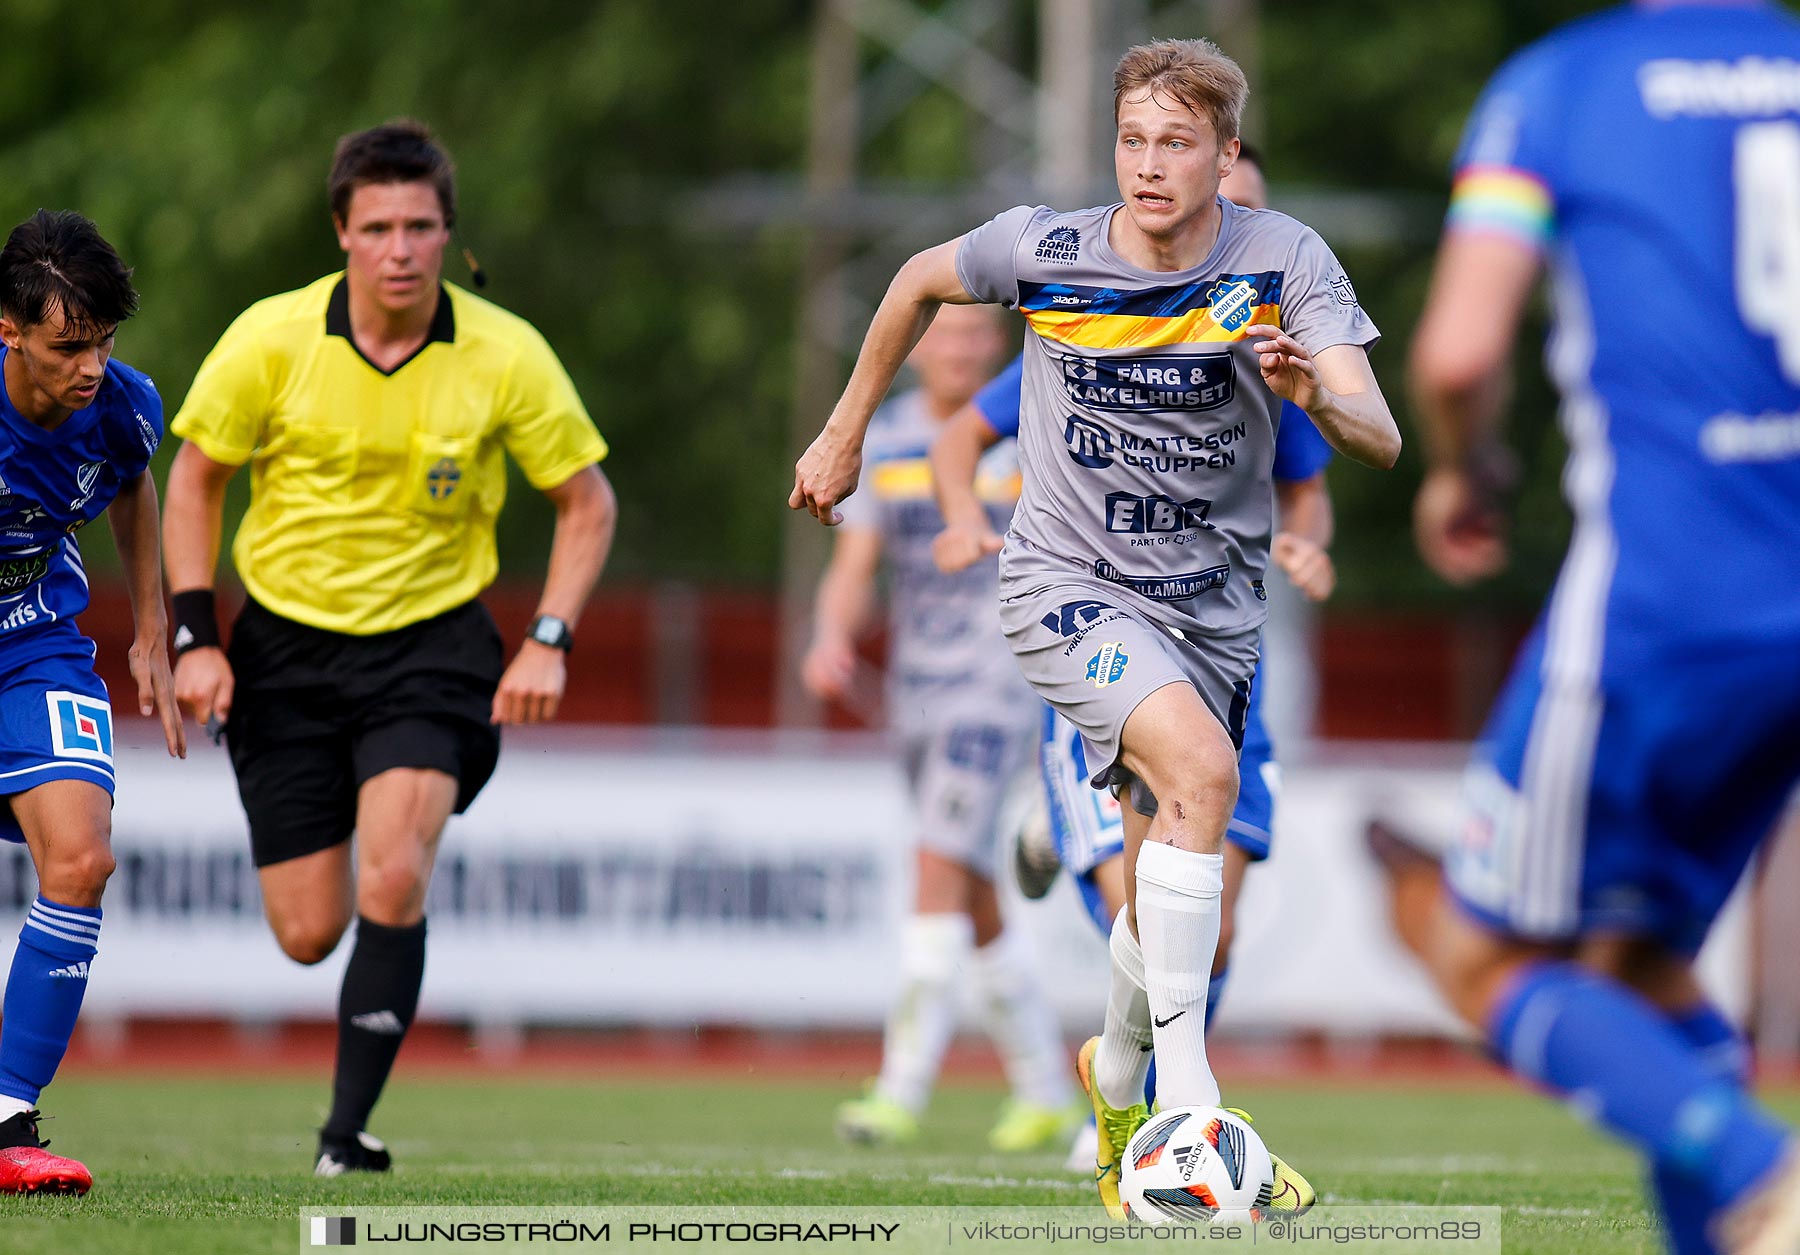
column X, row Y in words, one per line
column 1233, row 304
column 80, row 726
column 1341, row 289
column 1090, row 444
column 1137, row 515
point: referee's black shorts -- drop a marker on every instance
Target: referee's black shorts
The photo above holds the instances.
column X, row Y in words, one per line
column 317, row 713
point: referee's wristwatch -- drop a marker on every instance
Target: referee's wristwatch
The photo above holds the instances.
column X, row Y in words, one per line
column 549, row 630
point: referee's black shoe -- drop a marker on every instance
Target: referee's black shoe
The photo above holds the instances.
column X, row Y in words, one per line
column 362, row 1153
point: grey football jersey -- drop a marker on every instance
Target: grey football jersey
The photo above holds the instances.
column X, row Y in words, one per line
column 1146, row 433
column 947, row 658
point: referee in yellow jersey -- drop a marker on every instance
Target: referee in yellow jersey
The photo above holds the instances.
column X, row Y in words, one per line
column 364, row 682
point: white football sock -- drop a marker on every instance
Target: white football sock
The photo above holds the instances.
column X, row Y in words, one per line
column 1179, row 900
column 924, row 1017
column 1021, row 1023
column 1123, row 1060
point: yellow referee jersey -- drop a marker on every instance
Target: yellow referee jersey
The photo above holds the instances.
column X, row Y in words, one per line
column 373, row 496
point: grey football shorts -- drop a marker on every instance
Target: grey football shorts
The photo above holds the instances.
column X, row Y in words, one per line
column 961, row 772
column 1094, row 661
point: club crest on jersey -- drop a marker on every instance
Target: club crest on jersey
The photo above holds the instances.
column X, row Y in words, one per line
column 80, row 726
column 442, row 480
column 1233, row 305
column 87, row 478
column 1340, row 288
column 1061, row 247
column 1108, row 666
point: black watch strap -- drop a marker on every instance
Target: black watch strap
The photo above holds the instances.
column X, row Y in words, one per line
column 549, row 630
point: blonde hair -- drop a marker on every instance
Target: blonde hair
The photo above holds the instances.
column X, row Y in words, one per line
column 1195, row 72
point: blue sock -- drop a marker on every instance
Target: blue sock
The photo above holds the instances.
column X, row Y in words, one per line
column 1215, row 990
column 1725, row 1056
column 43, row 994
column 1600, row 1045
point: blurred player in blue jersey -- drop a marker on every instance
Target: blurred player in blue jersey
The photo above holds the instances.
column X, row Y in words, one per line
column 76, row 434
column 1083, row 828
column 966, row 724
column 1650, row 157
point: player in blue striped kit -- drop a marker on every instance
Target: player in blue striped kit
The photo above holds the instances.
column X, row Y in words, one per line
column 1650, row 157
column 76, row 434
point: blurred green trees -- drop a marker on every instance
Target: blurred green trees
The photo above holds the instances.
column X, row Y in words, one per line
column 592, row 139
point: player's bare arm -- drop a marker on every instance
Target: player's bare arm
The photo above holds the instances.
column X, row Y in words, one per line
column 829, row 469
column 586, row 514
column 968, row 535
column 134, row 523
column 841, row 611
column 1460, row 382
column 192, row 519
column 1338, row 391
column 1301, row 547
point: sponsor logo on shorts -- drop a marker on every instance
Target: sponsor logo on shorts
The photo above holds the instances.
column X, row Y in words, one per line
column 1166, row 587
column 1108, row 666
column 1061, row 247
column 443, row 479
column 80, row 726
column 1074, row 616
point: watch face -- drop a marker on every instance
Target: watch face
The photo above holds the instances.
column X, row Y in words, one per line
column 549, row 631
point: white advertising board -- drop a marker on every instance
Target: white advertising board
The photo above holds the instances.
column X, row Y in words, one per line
column 602, row 879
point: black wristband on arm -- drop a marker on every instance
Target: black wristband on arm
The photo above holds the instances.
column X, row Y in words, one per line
column 196, row 620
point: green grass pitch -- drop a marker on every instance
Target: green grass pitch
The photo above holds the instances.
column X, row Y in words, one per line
column 194, row 1165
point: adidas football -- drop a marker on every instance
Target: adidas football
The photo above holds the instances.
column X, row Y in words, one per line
column 1193, row 1164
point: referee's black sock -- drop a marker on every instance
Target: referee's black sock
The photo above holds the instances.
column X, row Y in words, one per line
column 376, row 1007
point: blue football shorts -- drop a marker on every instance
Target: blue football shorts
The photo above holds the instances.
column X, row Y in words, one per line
column 1632, row 804
column 55, row 720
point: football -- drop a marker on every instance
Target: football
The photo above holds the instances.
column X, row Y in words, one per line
column 1196, row 1163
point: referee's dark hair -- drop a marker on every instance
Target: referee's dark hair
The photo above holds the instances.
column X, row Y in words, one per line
column 57, row 257
column 401, row 151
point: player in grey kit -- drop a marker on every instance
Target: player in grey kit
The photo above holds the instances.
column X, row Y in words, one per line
column 1166, row 331
column 967, row 726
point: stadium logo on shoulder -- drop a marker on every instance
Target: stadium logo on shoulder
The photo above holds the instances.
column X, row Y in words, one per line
column 80, row 726
column 1061, row 247
column 1108, row 666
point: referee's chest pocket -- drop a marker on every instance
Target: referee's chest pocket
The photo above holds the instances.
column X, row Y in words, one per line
column 442, row 473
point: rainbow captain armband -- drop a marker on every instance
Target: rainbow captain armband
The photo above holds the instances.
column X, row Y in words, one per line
column 1505, row 200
